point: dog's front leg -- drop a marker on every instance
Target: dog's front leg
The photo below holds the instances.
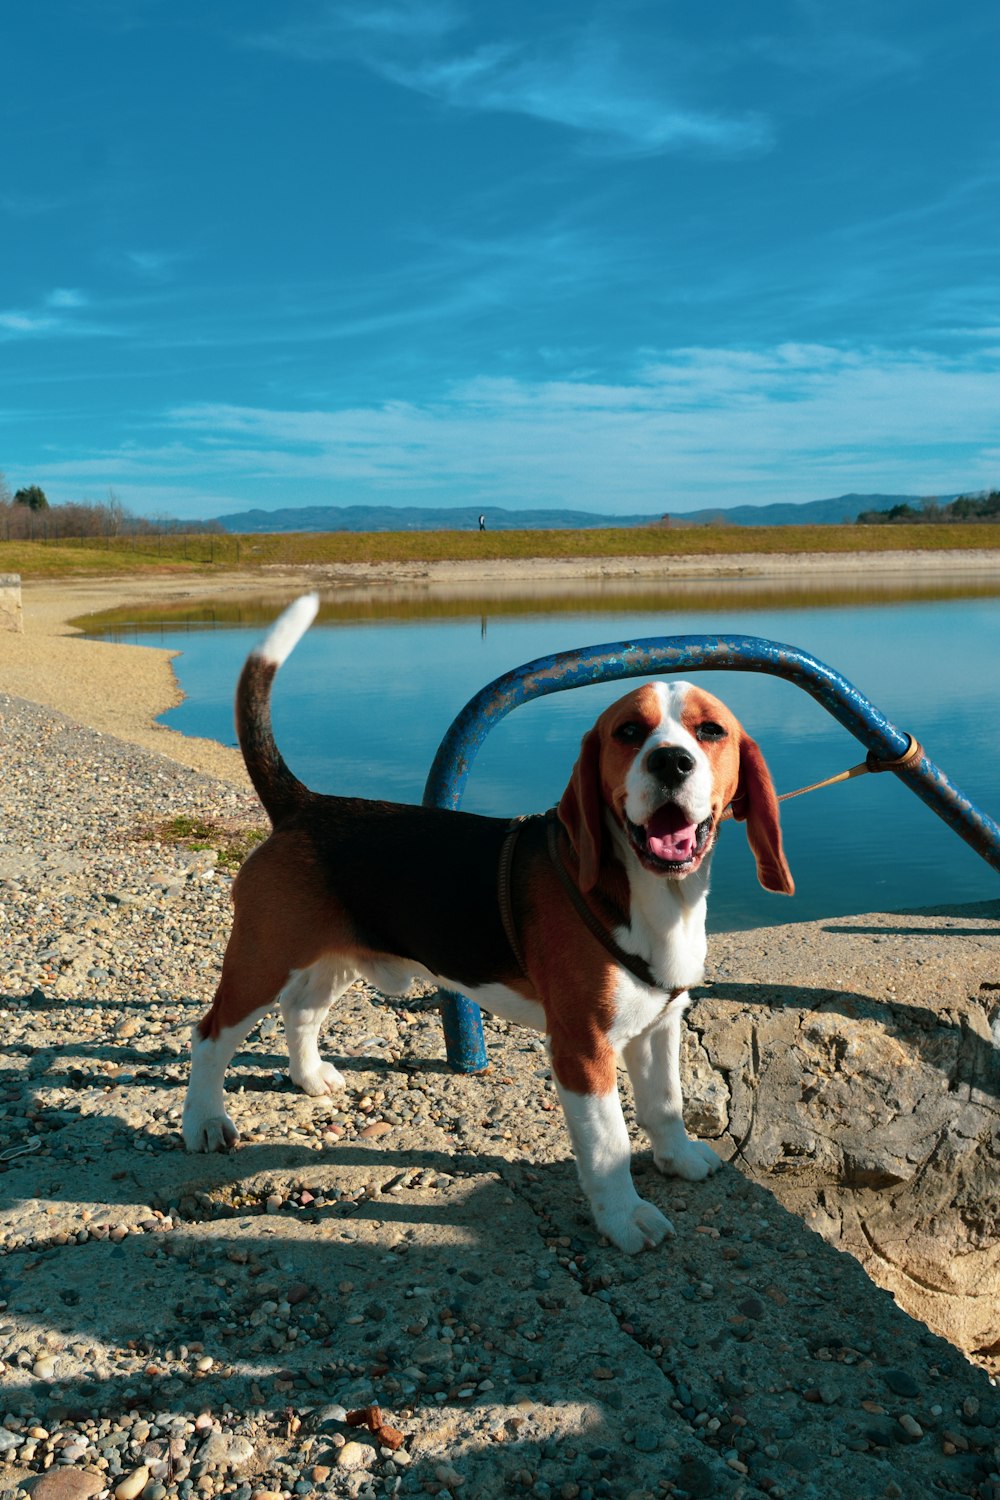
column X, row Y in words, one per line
column 601, row 1146
column 654, row 1066
column 205, row 1124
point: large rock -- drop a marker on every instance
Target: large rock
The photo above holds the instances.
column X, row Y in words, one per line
column 859, row 1079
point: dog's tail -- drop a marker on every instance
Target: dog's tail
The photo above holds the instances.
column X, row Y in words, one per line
column 274, row 783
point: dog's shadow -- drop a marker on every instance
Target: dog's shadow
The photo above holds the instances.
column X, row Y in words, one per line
column 482, row 1286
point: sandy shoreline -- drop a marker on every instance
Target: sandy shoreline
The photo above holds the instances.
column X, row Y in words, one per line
column 122, row 689
column 430, row 1223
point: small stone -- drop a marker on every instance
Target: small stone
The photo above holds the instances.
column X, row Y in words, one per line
column 799, row 1456
column 355, row 1456
column 133, row 1484
column 241, row 1451
column 697, row 1478
column 333, row 1412
column 751, row 1307
column 911, row 1426
column 67, row 1484
column 901, row 1383
column 378, row 1128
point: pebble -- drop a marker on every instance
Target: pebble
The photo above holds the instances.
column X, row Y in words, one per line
column 133, row 1484
column 67, row 1484
column 354, row 1456
column 238, row 1342
column 901, row 1383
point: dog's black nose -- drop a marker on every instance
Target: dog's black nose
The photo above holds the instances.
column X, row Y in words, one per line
column 670, row 764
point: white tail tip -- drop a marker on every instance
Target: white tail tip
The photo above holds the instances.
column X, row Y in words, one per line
column 288, row 629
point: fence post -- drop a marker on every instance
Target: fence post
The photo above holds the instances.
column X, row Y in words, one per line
column 11, row 617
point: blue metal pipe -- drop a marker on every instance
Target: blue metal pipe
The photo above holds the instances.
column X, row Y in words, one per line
column 669, row 654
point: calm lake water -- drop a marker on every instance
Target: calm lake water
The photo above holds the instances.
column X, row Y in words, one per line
column 363, row 702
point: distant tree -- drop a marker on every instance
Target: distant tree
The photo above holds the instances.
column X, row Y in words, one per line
column 5, row 494
column 33, row 496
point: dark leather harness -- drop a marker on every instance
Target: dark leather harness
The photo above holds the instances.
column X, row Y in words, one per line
column 635, row 965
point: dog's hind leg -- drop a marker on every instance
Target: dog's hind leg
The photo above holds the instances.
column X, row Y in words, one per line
column 304, row 1002
column 251, row 979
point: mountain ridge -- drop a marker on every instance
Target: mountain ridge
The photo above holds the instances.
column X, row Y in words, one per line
column 832, row 512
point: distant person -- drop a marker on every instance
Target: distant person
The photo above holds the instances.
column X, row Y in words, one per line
column 482, row 523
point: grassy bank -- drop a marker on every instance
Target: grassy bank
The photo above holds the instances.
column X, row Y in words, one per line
column 201, row 553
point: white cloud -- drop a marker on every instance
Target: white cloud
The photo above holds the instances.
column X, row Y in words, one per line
column 694, row 427
column 16, row 322
column 584, row 88
column 53, row 319
column 66, row 297
column 578, row 81
column 700, row 426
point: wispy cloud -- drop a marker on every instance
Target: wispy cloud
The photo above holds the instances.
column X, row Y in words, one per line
column 149, row 264
column 580, row 81
column 588, row 89
column 66, row 297
column 697, row 427
column 16, row 322
column 58, row 314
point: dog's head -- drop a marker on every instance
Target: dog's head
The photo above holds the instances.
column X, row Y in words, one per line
column 664, row 763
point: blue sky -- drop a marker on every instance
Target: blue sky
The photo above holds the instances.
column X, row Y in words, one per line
column 619, row 256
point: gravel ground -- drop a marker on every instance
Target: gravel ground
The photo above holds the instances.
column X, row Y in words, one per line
column 175, row 1325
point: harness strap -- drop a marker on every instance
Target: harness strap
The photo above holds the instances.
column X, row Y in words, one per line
column 503, row 887
column 636, row 966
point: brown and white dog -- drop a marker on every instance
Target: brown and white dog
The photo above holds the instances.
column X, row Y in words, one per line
column 602, row 935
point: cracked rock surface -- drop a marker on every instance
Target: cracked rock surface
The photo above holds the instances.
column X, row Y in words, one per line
column 187, row 1325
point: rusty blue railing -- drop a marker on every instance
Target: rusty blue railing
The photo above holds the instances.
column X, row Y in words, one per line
column 667, row 654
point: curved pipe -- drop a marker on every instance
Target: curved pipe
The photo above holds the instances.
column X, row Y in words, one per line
column 668, row 654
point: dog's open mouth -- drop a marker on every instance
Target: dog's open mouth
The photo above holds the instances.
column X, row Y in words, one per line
column 670, row 843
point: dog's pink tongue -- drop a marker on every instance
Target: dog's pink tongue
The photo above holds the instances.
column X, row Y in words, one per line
column 670, row 836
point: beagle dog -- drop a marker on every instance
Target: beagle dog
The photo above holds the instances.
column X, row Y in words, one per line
column 595, row 938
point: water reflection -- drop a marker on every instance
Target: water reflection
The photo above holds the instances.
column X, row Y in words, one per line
column 513, row 598
column 361, row 707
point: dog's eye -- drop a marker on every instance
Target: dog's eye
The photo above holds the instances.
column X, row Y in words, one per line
column 631, row 733
column 710, row 732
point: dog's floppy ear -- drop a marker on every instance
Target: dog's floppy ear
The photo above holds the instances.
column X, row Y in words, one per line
column 756, row 804
column 581, row 810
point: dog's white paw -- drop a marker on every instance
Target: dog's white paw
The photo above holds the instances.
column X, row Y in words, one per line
column 635, row 1229
column 324, row 1079
column 214, row 1133
column 693, row 1160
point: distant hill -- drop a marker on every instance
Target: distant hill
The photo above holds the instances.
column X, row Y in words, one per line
column 466, row 517
column 418, row 518
column 843, row 509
